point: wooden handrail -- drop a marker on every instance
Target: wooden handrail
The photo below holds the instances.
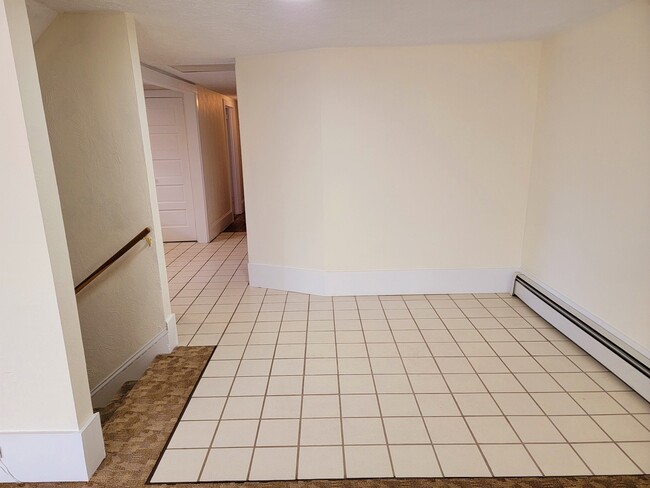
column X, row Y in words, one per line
column 111, row 260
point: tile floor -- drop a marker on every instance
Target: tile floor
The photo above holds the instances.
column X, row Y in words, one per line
column 310, row 387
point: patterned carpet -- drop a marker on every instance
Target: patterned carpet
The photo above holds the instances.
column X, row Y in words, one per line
column 137, row 431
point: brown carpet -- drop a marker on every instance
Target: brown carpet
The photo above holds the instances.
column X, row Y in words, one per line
column 137, row 431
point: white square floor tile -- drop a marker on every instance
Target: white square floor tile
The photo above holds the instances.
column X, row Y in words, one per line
column 428, row 383
column 204, row 408
column 212, row 387
column 180, row 466
column 501, row 383
column 236, row 433
column 557, row 460
column 285, row 385
column 356, row 384
column 313, row 387
column 227, row 464
column 282, row 407
column 193, row 434
column 398, row 405
column 320, row 432
column 416, row 461
column 517, row 404
column 606, row 458
column 535, row 429
column 367, row 462
column 249, row 386
column 243, row 408
column 639, row 453
column 437, row 405
column 492, row 430
column 274, row 463
column 510, row 460
column 449, row 430
column 319, row 406
column 321, row 385
column 392, row 383
column 278, row 432
column 461, row 461
column 579, row 428
column 321, row 462
column 363, row 431
column 406, row 430
column 359, row 406
column 622, row 428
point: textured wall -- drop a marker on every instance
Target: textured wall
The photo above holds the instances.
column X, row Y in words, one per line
column 588, row 224
column 94, row 104
column 41, row 352
column 372, row 159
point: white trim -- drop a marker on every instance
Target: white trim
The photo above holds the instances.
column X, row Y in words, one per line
column 148, row 93
column 151, row 76
column 612, row 361
column 172, row 332
column 388, row 282
column 53, row 456
column 217, row 226
column 132, row 369
column 190, row 106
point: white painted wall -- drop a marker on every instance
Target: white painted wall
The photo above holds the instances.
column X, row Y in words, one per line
column 36, row 294
column 94, row 102
column 41, row 348
column 216, row 165
column 389, row 161
column 279, row 100
column 588, row 224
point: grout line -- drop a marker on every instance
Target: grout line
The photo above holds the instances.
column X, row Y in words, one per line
column 452, row 396
column 259, row 424
column 232, row 268
column 381, row 415
column 408, row 377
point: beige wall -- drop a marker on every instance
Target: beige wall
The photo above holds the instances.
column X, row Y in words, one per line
column 94, row 103
column 216, row 165
column 588, row 224
column 427, row 154
column 372, row 159
column 41, row 350
column 279, row 100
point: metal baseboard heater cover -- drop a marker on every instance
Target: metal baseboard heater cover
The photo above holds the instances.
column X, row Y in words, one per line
column 629, row 364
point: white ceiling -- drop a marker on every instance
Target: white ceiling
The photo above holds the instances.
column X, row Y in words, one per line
column 183, row 32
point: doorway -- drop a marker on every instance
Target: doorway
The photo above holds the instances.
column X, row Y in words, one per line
column 171, row 162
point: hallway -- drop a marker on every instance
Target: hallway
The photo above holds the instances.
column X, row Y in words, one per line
column 304, row 387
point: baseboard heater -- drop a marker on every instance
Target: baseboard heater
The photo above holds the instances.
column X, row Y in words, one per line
column 626, row 362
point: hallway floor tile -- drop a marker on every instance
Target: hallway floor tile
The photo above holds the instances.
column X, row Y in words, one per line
column 310, row 387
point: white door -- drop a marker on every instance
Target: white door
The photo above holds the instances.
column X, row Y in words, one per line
column 171, row 166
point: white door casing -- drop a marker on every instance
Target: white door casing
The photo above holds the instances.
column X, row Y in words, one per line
column 171, row 163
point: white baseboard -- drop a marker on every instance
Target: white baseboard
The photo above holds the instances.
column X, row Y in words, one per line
column 132, row 369
column 217, row 226
column 598, row 349
column 172, row 332
column 53, row 456
column 390, row 282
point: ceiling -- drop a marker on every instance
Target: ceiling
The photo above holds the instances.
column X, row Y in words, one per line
column 175, row 32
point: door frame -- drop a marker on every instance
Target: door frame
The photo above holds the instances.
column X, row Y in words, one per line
column 174, row 87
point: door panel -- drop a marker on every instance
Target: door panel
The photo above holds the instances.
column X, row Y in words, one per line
column 171, row 166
